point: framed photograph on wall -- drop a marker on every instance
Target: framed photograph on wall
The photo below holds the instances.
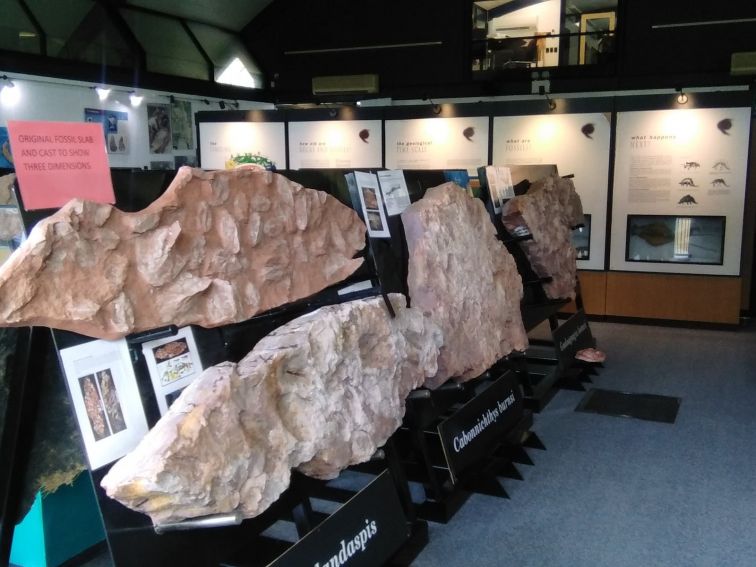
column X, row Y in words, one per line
column 173, row 363
column 105, row 398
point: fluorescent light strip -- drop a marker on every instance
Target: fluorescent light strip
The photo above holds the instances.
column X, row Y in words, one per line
column 709, row 23
column 364, row 48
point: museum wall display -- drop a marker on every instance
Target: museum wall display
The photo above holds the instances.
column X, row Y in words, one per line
column 215, row 248
column 319, row 393
column 550, row 209
column 335, row 144
column 220, row 142
column 464, row 279
column 686, row 168
column 579, row 145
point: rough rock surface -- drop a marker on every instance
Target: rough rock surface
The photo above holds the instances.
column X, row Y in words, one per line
column 216, row 248
column 465, row 280
column 320, row 393
column 550, row 208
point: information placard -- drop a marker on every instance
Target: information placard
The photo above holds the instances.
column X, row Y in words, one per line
column 437, row 143
column 683, row 164
column 59, row 161
column 473, row 430
column 367, row 530
column 579, row 145
column 221, row 141
column 335, row 144
column 571, row 336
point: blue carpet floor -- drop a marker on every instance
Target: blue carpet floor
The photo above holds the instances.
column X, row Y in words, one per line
column 613, row 491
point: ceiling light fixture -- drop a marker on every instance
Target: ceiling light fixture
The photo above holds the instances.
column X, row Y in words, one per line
column 135, row 99
column 682, row 98
column 222, row 105
column 9, row 93
column 102, row 93
column 552, row 104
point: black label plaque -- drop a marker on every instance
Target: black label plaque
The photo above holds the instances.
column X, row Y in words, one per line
column 572, row 336
column 469, row 434
column 366, row 531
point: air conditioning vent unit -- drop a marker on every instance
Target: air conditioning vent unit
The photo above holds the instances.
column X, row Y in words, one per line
column 743, row 63
column 345, row 84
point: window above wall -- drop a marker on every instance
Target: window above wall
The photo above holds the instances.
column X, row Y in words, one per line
column 528, row 34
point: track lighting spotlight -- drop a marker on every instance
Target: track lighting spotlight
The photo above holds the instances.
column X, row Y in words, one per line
column 552, row 104
column 9, row 93
column 682, row 98
column 222, row 105
column 102, row 93
column 135, row 99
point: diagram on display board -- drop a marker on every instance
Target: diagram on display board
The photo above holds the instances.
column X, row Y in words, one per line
column 220, row 142
column 437, row 143
column 579, row 145
column 679, row 190
column 335, row 144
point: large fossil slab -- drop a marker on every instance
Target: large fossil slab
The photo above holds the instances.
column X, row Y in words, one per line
column 551, row 207
column 320, row 393
column 216, row 248
column 465, row 280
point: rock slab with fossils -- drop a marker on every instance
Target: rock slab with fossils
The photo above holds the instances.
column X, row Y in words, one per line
column 216, row 248
column 464, row 279
column 551, row 208
column 320, row 393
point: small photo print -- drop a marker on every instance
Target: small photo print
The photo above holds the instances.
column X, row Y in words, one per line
column 93, row 406
column 374, row 220
column 110, row 400
column 173, row 361
column 371, row 201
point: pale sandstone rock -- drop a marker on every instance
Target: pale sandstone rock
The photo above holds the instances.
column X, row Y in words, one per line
column 464, row 279
column 216, row 248
column 320, row 393
column 551, row 207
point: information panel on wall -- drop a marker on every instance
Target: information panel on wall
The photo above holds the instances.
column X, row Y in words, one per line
column 578, row 144
column 679, row 190
column 437, row 143
column 220, row 142
column 335, row 144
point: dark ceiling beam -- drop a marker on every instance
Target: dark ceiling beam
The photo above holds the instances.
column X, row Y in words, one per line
column 124, row 30
column 37, row 26
column 208, row 62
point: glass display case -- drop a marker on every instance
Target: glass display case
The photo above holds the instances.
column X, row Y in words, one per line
column 672, row 239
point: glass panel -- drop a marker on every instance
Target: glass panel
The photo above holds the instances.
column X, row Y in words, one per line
column 59, row 20
column 168, row 47
column 581, row 239
column 16, row 31
column 673, row 239
column 222, row 48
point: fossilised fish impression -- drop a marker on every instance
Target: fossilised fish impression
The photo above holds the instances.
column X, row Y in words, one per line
column 216, row 248
column 320, row 393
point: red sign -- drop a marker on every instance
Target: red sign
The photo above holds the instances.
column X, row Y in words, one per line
column 59, row 161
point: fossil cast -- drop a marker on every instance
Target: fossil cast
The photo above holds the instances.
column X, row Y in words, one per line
column 464, row 279
column 550, row 208
column 319, row 393
column 216, row 248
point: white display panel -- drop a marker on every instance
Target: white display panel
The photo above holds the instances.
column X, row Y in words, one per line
column 335, row 144
column 106, row 399
column 219, row 141
column 437, row 143
column 578, row 144
column 679, row 163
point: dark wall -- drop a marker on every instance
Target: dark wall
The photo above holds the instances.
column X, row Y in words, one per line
column 646, row 58
column 302, row 25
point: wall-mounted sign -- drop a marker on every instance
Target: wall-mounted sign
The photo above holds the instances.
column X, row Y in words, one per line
column 335, row 144
column 677, row 174
column 105, row 398
column 59, row 161
column 437, row 143
column 578, row 144
column 221, row 142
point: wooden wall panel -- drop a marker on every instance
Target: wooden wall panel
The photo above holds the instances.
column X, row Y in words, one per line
column 593, row 288
column 711, row 299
